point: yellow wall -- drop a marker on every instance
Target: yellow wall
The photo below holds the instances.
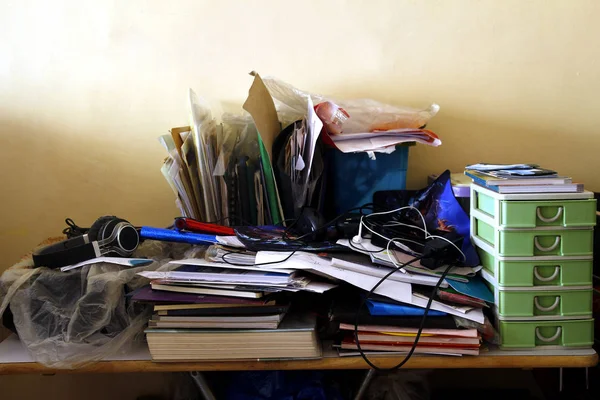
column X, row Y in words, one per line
column 87, row 86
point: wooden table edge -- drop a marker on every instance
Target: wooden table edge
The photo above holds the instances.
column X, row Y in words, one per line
column 417, row 362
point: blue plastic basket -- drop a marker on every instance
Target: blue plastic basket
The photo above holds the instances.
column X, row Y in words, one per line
column 354, row 177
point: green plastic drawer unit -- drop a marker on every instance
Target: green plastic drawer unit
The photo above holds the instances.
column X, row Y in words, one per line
column 536, row 271
column 567, row 210
column 533, row 242
column 539, row 334
column 559, row 304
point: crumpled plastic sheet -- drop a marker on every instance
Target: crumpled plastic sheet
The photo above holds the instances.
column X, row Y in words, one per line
column 366, row 115
column 70, row 319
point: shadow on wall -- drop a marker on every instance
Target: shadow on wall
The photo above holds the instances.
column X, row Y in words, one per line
column 466, row 141
column 50, row 173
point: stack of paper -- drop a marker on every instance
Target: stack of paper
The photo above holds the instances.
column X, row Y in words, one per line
column 212, row 278
column 405, row 288
column 223, row 172
column 383, row 141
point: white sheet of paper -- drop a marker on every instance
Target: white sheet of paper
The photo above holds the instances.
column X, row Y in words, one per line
column 318, row 287
column 231, row 241
column 205, row 263
column 128, row 262
column 227, row 276
column 300, row 259
column 377, row 143
column 314, row 127
column 380, row 272
column 399, row 291
column 299, row 166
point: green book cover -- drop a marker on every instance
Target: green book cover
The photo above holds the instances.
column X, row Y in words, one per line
column 269, row 182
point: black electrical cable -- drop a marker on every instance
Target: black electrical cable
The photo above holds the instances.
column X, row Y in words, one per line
column 73, row 230
column 370, row 293
column 302, row 245
column 421, row 326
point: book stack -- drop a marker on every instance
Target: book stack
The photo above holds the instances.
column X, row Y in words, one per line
column 521, row 178
column 391, row 340
column 205, row 310
column 390, row 328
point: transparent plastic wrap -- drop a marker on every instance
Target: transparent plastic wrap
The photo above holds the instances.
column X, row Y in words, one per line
column 69, row 319
column 365, row 115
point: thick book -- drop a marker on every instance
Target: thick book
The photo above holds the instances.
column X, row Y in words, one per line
column 295, row 337
column 208, row 291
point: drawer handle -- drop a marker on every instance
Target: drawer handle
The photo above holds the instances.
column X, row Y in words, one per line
column 544, row 219
column 546, row 279
column 550, row 248
column 542, row 308
column 550, row 339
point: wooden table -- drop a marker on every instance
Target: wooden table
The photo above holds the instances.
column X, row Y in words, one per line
column 15, row 360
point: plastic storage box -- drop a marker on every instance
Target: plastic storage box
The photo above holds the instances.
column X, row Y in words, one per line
column 537, row 271
column 354, row 177
column 542, row 334
column 533, row 242
column 560, row 210
column 536, row 251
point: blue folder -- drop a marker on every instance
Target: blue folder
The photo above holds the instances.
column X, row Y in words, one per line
column 475, row 287
column 388, row 309
column 168, row 235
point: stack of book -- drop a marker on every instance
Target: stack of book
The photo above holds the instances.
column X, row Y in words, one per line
column 204, row 310
column 191, row 327
column 390, row 328
column 521, row 178
column 392, row 340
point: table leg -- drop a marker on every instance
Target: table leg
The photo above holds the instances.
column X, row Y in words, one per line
column 365, row 384
column 560, row 380
column 202, row 385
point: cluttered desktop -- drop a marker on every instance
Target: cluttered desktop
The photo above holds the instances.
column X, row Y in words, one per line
column 296, row 235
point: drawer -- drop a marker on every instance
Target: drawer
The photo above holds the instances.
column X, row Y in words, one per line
column 544, row 212
column 535, row 272
column 533, row 242
column 540, row 334
column 544, row 304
